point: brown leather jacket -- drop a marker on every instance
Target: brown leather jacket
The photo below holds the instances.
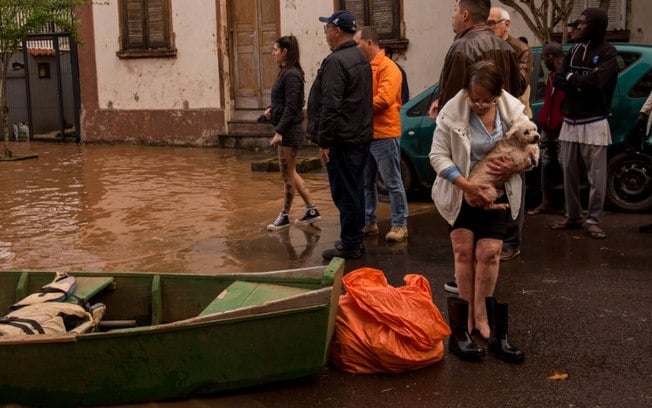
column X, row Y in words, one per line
column 523, row 56
column 475, row 44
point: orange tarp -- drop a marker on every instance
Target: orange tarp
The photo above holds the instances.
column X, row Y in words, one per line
column 385, row 329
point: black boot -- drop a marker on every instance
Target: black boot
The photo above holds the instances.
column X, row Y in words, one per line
column 460, row 343
column 498, row 342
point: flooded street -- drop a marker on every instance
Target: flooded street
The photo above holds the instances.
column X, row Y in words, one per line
column 157, row 209
column 577, row 305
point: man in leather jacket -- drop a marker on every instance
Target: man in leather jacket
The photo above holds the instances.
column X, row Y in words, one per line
column 474, row 41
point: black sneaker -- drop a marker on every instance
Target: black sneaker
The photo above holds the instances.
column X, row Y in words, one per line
column 282, row 221
column 340, row 247
column 509, row 253
column 451, row 287
column 309, row 217
column 340, row 253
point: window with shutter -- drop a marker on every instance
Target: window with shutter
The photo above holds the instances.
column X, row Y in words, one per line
column 616, row 30
column 617, row 12
column 383, row 15
column 145, row 29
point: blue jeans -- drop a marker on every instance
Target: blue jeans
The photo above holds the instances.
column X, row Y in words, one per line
column 385, row 158
column 346, row 178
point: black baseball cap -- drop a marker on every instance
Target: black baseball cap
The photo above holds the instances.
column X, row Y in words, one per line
column 574, row 24
column 342, row 19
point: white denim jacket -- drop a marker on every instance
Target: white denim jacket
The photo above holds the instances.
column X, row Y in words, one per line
column 451, row 145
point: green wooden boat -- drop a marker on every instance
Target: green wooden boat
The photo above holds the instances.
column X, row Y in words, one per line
column 167, row 336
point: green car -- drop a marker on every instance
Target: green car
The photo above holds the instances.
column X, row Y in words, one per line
column 629, row 186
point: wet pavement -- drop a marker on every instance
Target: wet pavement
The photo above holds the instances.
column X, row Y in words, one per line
column 577, row 306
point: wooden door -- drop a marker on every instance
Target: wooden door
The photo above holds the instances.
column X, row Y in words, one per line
column 253, row 32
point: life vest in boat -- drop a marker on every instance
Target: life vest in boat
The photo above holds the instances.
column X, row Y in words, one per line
column 47, row 313
column 58, row 290
column 44, row 318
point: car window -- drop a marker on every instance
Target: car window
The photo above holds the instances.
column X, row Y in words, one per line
column 626, row 59
column 422, row 108
column 643, row 87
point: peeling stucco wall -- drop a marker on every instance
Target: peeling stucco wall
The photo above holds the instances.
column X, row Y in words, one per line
column 640, row 24
column 189, row 81
column 428, row 40
column 160, row 101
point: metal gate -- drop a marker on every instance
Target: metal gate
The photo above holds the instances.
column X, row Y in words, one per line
column 48, row 99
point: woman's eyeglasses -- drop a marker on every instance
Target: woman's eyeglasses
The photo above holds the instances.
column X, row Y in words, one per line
column 480, row 104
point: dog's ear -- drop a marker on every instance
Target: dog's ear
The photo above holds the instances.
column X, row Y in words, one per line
column 511, row 134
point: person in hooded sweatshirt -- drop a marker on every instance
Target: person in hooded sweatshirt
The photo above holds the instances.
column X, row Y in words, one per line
column 588, row 76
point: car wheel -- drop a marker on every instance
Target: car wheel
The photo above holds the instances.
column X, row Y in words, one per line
column 406, row 176
column 629, row 182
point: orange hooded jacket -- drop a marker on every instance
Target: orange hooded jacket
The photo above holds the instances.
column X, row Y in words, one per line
column 387, row 81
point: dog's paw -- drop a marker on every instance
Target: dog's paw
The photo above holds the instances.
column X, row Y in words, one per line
column 496, row 207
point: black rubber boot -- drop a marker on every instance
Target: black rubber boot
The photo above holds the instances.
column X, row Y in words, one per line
column 498, row 342
column 460, row 343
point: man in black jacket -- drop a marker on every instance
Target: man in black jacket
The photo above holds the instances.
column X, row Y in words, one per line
column 340, row 121
column 588, row 77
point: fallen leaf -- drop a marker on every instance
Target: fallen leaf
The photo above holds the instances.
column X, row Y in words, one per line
column 558, row 375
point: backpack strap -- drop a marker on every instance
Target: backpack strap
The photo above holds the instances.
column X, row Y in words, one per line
column 23, row 324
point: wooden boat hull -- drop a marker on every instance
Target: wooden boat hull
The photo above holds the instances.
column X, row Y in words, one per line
column 187, row 355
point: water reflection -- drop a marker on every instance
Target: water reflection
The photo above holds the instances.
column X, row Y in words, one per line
column 137, row 208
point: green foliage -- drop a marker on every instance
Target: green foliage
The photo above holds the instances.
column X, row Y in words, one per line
column 18, row 18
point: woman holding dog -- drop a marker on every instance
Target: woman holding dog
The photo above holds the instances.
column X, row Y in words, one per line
column 468, row 126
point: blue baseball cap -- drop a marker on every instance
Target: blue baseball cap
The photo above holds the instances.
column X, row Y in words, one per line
column 342, row 19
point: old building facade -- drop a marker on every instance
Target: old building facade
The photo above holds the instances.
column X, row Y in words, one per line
column 183, row 72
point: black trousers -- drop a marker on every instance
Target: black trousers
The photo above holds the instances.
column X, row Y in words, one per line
column 346, row 177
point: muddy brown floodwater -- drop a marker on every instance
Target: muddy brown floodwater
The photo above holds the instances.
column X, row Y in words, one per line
column 158, row 209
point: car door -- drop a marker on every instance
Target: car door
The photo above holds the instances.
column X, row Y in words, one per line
column 416, row 138
column 634, row 85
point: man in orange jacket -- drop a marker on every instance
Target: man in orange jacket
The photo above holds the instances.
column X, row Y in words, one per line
column 385, row 147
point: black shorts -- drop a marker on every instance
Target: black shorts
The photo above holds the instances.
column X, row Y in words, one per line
column 294, row 136
column 483, row 223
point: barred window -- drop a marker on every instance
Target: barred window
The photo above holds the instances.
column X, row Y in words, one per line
column 145, row 29
column 384, row 16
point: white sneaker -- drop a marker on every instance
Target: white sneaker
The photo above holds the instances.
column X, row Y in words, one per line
column 451, row 287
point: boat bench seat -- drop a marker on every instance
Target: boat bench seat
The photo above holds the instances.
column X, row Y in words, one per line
column 87, row 287
column 241, row 294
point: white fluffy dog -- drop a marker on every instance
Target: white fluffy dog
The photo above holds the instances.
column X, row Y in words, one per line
column 520, row 145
